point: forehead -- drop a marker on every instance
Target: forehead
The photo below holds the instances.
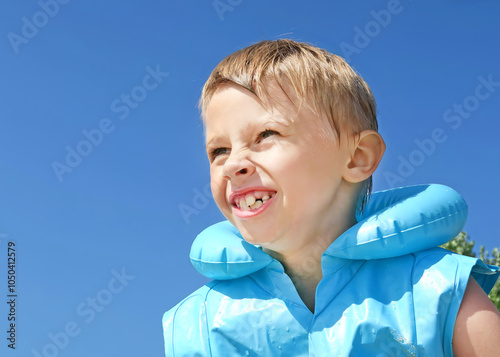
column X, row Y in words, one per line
column 277, row 103
column 229, row 95
column 232, row 104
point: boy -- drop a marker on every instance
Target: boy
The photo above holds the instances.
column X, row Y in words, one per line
column 309, row 266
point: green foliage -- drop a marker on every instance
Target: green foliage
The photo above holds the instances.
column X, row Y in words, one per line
column 462, row 244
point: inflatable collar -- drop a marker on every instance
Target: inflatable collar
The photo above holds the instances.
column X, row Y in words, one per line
column 395, row 222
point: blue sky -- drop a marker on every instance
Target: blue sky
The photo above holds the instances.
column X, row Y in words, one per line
column 101, row 243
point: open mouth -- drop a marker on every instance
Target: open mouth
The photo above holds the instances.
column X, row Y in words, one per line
column 252, row 200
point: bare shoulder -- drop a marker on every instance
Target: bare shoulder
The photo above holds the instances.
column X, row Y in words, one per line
column 477, row 327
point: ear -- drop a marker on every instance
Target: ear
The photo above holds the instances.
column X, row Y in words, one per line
column 365, row 155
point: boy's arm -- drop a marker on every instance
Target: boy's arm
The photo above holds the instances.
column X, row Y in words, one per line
column 477, row 327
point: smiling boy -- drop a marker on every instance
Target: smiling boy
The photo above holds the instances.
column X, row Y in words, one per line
column 296, row 160
column 291, row 136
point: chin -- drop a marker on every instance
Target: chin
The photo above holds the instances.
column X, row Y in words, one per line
column 257, row 235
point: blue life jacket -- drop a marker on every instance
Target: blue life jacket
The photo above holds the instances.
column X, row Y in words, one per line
column 385, row 290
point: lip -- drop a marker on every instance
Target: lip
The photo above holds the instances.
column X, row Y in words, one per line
column 246, row 190
column 251, row 213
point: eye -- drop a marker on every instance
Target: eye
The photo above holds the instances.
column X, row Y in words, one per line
column 265, row 134
column 217, row 152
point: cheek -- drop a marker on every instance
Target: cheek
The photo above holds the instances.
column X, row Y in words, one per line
column 289, row 163
column 218, row 186
column 312, row 174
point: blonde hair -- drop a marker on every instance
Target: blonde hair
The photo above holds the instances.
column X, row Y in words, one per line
column 322, row 80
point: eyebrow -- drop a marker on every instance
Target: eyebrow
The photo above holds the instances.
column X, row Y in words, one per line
column 212, row 140
column 277, row 120
column 269, row 120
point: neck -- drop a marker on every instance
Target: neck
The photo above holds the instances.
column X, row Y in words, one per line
column 303, row 264
column 305, row 273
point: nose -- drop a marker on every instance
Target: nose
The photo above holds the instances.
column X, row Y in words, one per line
column 238, row 166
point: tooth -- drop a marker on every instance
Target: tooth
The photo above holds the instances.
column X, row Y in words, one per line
column 265, row 198
column 250, row 200
column 243, row 205
column 257, row 204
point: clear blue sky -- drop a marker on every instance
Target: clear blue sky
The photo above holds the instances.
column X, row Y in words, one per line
column 101, row 243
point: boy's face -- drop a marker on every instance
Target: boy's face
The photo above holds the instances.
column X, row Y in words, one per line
column 289, row 163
